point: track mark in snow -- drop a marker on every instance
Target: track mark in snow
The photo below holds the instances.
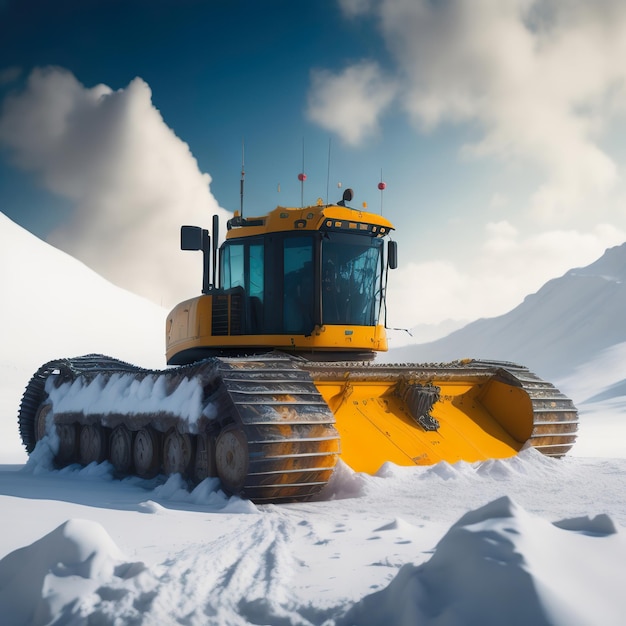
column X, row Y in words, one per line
column 247, row 578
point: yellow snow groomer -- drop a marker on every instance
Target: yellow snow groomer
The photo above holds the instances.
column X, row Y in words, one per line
column 274, row 380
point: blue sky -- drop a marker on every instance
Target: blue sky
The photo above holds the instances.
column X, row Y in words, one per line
column 497, row 126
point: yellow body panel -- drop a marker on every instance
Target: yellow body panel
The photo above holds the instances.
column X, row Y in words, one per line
column 283, row 219
column 189, row 326
column 477, row 421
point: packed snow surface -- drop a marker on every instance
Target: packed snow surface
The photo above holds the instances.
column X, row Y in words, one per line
column 529, row 540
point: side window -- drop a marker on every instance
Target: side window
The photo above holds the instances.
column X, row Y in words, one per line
column 233, row 266
column 243, row 266
column 256, row 271
column 298, row 285
column 256, row 286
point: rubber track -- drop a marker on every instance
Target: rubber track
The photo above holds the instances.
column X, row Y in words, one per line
column 292, row 443
column 87, row 366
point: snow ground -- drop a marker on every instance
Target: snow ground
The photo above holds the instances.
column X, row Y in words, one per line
column 528, row 540
column 455, row 544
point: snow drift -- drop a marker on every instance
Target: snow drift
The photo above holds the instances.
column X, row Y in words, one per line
column 501, row 565
column 53, row 578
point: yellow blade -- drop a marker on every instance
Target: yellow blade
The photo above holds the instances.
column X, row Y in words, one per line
column 482, row 413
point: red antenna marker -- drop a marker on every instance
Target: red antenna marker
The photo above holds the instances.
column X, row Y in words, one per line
column 301, row 178
column 382, row 186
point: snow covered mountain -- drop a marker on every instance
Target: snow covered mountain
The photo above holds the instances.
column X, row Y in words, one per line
column 53, row 306
column 570, row 321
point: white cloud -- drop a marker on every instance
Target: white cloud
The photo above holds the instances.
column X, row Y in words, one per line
column 507, row 267
column 540, row 80
column 501, row 236
column 351, row 102
column 132, row 181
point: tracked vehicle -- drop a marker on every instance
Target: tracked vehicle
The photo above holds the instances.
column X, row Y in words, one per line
column 271, row 378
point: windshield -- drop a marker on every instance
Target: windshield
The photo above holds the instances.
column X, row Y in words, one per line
column 351, row 279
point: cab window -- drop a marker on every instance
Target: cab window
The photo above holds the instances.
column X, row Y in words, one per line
column 351, row 280
column 298, row 284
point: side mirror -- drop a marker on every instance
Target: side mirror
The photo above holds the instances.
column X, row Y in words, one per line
column 196, row 238
column 190, row 238
column 348, row 194
column 392, row 254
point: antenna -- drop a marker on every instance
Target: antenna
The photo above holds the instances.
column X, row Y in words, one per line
column 243, row 173
column 328, row 171
column 302, row 178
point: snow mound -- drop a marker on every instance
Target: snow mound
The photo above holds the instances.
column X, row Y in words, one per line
column 55, row 575
column 397, row 524
column 344, row 483
column 173, row 489
column 501, row 565
column 206, row 494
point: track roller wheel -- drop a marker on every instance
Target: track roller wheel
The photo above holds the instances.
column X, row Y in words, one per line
column 204, row 460
column 146, row 452
column 121, row 449
column 40, row 421
column 176, row 452
column 68, row 444
column 92, row 445
column 231, row 459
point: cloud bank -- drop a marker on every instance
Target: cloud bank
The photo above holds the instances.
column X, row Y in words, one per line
column 508, row 266
column 132, row 182
column 538, row 79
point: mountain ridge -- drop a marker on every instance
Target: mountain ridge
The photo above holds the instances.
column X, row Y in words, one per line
column 567, row 322
column 54, row 306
